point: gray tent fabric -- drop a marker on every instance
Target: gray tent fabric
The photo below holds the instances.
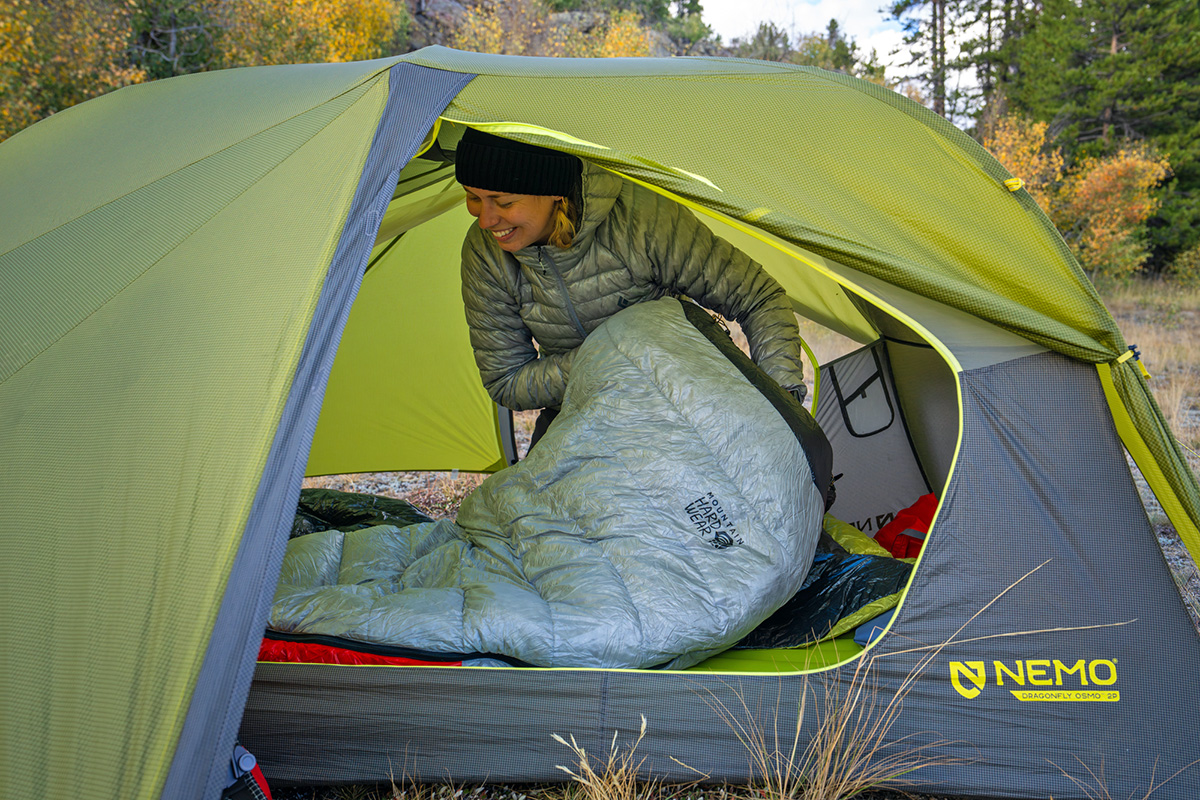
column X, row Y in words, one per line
column 1103, row 656
column 667, row 511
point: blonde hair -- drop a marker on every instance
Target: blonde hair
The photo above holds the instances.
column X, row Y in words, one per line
column 564, row 214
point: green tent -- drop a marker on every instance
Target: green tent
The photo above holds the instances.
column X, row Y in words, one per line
column 216, row 284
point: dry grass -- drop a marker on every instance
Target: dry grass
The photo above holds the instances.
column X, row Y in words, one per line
column 617, row 777
column 1163, row 321
column 849, row 752
column 437, row 494
column 1094, row 786
column 852, row 750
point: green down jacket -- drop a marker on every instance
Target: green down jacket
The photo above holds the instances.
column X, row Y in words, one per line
column 632, row 245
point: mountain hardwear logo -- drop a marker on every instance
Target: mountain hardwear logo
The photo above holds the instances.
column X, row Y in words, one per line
column 1049, row 680
column 712, row 523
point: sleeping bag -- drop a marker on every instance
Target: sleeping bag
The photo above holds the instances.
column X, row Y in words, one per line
column 671, row 507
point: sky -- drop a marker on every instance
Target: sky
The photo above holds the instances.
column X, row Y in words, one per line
column 860, row 19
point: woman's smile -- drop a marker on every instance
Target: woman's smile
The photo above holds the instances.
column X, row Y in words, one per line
column 516, row 221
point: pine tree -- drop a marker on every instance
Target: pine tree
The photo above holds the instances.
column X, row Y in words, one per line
column 992, row 51
column 1107, row 72
column 830, row 50
column 927, row 36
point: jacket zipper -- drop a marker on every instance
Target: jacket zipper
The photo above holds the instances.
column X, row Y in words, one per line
column 562, row 286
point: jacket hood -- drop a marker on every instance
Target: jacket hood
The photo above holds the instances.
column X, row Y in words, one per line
column 599, row 192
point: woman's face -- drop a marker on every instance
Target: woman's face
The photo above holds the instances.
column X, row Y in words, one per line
column 514, row 220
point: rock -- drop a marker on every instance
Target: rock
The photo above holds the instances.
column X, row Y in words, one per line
column 434, row 22
column 582, row 21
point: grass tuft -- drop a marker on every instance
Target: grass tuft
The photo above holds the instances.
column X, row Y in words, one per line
column 1095, row 787
column 617, row 777
column 849, row 752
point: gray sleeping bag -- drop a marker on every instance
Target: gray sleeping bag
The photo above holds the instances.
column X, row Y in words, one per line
column 669, row 509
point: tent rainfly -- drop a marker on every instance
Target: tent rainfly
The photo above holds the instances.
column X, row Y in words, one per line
column 217, row 284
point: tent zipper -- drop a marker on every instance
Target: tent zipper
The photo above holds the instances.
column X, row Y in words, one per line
column 562, row 286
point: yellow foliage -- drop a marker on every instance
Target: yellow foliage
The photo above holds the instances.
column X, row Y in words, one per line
column 1020, row 145
column 524, row 27
column 259, row 32
column 514, row 28
column 625, row 36
column 1105, row 202
column 53, row 56
column 1099, row 206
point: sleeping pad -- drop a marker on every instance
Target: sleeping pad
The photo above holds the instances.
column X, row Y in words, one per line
column 669, row 509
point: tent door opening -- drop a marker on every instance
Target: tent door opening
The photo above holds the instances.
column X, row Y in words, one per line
column 873, row 451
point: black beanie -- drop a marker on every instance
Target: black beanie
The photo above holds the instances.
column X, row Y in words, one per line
column 489, row 162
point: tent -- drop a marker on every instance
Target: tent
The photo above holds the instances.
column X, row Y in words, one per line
column 216, row 284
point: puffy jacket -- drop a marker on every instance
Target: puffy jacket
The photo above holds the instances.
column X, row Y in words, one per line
column 632, row 245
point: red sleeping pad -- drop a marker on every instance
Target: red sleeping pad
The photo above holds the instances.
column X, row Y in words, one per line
column 312, row 653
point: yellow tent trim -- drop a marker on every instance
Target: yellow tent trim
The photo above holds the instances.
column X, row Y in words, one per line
column 1128, row 355
column 812, row 357
column 430, row 138
column 1148, row 465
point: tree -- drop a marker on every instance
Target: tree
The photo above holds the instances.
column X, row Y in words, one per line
column 928, row 39
column 1020, row 145
column 687, row 27
column 993, row 33
column 624, row 36
column 1100, row 205
column 829, row 50
column 54, row 56
column 173, row 37
column 835, row 51
column 512, row 27
column 258, row 32
column 524, row 27
column 1103, row 206
column 1106, row 73
column 769, row 43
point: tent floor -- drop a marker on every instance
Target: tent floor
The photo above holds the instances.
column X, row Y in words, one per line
column 818, row 656
column 779, row 661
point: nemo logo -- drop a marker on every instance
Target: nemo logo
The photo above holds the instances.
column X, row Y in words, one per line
column 1040, row 679
column 974, row 672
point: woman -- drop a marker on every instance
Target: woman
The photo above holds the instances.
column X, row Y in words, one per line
column 562, row 245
